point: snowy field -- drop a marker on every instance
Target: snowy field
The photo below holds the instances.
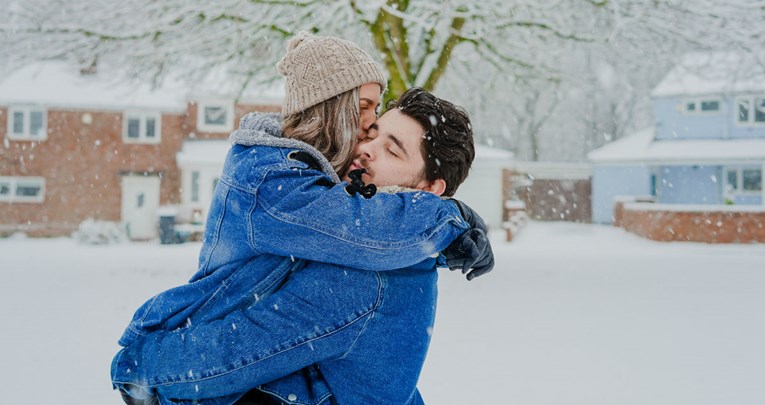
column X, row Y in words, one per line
column 573, row 314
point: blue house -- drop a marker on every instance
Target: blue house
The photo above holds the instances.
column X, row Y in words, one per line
column 707, row 145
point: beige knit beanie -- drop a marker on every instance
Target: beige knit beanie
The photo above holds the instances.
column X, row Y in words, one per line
column 319, row 68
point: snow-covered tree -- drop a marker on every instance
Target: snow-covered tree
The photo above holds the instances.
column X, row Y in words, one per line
column 419, row 42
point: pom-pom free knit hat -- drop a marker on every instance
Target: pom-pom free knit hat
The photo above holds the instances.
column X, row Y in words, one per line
column 319, row 68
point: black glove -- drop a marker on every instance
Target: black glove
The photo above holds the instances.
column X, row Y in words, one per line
column 471, row 249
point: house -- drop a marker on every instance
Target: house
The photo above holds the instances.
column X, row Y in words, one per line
column 83, row 145
column 482, row 190
column 705, row 152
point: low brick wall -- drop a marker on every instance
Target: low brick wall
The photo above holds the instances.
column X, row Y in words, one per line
column 708, row 224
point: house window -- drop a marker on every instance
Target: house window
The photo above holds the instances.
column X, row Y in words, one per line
column 22, row 189
column 142, row 127
column 195, row 186
column 743, row 180
column 215, row 116
column 702, row 106
column 27, row 124
column 710, row 105
column 751, row 111
column 751, row 180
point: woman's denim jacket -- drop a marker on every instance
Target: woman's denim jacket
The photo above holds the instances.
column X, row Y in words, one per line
column 271, row 213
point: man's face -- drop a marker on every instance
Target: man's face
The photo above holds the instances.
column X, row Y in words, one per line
column 369, row 100
column 391, row 152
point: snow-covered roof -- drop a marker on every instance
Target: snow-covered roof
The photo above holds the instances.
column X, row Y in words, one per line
column 203, row 152
column 59, row 84
column 490, row 157
column 484, row 152
column 707, row 73
column 554, row 170
column 640, row 147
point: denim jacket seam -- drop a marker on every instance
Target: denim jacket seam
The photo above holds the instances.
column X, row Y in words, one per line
column 173, row 380
column 216, row 234
column 252, row 188
column 378, row 303
column 272, row 278
column 215, row 295
column 251, row 228
column 141, row 319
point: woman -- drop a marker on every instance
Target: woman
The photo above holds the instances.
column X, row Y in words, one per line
column 272, row 205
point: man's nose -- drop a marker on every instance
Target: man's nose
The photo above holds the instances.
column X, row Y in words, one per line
column 367, row 150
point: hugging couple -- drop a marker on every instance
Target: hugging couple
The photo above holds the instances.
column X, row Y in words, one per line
column 317, row 274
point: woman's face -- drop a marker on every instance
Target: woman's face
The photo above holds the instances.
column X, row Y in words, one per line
column 369, row 101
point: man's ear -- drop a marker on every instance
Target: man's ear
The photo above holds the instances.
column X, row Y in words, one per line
column 437, row 187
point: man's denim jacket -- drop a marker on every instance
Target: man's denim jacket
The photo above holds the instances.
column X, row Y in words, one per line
column 219, row 335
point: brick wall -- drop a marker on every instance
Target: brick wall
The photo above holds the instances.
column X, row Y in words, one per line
column 709, row 226
column 82, row 165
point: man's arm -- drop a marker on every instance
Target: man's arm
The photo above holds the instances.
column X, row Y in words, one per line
column 297, row 216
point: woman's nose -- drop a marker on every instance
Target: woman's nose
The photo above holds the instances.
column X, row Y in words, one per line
column 367, row 118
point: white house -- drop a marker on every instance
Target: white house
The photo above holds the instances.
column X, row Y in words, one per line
column 482, row 190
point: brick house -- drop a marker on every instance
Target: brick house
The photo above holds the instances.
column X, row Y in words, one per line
column 82, row 145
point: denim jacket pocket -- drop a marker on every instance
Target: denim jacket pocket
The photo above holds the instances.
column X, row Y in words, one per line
column 305, row 387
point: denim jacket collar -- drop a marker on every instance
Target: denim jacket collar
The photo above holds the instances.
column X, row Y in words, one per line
column 265, row 129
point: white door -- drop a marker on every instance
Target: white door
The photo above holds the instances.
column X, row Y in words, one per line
column 140, row 201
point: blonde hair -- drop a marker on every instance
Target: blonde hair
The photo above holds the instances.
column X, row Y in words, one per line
column 332, row 127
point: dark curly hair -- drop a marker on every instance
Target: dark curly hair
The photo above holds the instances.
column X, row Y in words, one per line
column 447, row 145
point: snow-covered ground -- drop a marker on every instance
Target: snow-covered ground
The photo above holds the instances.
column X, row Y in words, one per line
column 572, row 314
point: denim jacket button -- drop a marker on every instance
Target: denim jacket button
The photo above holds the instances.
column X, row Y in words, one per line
column 292, row 397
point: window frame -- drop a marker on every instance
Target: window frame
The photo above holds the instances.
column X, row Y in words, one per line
column 26, row 111
column 739, row 189
column 203, row 126
column 750, row 122
column 14, row 181
column 143, row 117
column 697, row 101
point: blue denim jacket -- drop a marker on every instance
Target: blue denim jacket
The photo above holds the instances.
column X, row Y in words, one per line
column 367, row 333
column 269, row 212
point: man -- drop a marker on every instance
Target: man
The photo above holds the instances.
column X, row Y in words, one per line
column 365, row 333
